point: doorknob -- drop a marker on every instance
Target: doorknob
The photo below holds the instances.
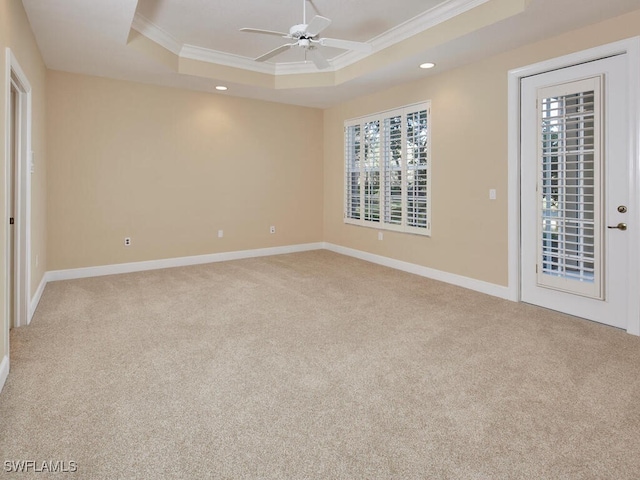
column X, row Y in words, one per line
column 620, row 226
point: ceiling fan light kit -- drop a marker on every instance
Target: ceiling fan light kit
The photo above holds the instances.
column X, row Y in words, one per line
column 307, row 36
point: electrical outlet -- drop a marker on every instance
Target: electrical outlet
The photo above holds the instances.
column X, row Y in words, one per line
column 380, row 236
column 220, row 233
column 127, row 241
column 272, row 229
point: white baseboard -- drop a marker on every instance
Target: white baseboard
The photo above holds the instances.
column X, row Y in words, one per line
column 37, row 296
column 465, row 282
column 176, row 262
column 4, row 371
column 459, row 280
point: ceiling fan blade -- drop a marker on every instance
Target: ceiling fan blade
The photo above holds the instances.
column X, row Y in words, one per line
column 274, row 52
column 318, row 58
column 346, row 44
column 317, row 25
column 266, row 32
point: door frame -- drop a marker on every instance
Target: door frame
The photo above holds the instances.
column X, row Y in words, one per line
column 630, row 47
column 15, row 75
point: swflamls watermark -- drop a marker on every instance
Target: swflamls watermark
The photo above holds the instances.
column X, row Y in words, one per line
column 48, row 466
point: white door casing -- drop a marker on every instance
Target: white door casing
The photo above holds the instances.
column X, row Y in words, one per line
column 573, row 176
column 12, row 246
column 19, row 81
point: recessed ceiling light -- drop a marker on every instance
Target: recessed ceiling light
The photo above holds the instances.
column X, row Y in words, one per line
column 427, row 65
column 222, row 88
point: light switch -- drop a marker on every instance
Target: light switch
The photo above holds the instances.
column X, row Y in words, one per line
column 492, row 194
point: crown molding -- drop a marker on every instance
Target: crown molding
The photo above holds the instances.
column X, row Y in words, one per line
column 429, row 19
column 426, row 20
column 153, row 32
column 296, row 68
column 193, row 52
column 436, row 15
column 201, row 54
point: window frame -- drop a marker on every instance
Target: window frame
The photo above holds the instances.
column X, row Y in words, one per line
column 384, row 153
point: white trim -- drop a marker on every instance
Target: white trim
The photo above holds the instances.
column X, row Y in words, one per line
column 35, row 300
column 201, row 54
column 633, row 62
column 429, row 19
column 5, row 216
column 451, row 278
column 145, row 27
column 22, row 192
column 459, row 280
column 297, row 68
column 432, row 17
column 513, row 187
column 426, row 20
column 632, row 48
column 176, row 262
column 4, row 371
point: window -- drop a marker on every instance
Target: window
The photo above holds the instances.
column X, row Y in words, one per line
column 388, row 170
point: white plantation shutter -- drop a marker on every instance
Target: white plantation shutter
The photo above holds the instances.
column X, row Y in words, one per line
column 569, row 188
column 372, row 171
column 388, row 171
column 393, row 167
column 417, row 171
column 352, row 156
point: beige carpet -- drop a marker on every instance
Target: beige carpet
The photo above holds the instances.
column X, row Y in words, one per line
column 315, row 366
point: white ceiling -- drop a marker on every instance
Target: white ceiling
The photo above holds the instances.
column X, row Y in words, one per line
column 358, row 20
column 96, row 38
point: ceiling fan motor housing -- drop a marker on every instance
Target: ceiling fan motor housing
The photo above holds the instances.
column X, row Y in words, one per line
column 297, row 31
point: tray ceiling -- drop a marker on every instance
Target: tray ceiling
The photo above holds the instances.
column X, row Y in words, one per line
column 196, row 44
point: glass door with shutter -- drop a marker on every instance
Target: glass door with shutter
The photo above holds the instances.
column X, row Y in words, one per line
column 574, row 185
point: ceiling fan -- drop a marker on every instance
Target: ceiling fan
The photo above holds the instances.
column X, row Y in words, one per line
column 307, row 36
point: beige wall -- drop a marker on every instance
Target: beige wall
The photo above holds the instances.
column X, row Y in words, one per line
column 15, row 33
column 469, row 155
column 170, row 168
